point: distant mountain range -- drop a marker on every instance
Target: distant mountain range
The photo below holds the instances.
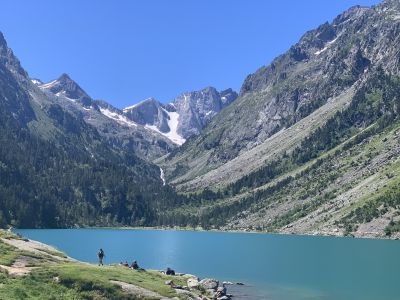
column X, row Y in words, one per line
column 68, row 159
column 185, row 116
column 179, row 120
column 310, row 144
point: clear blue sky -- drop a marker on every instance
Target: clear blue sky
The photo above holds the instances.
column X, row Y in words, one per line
column 124, row 51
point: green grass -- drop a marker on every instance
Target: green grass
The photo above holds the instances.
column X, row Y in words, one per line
column 8, row 254
column 76, row 274
column 53, row 279
column 70, row 280
column 35, row 286
column 9, row 235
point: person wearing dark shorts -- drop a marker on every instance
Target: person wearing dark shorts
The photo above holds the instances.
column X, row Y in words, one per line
column 100, row 255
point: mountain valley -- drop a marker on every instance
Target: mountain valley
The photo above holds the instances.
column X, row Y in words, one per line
column 310, row 145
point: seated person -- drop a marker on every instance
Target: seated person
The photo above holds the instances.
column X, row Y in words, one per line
column 135, row 265
column 170, row 271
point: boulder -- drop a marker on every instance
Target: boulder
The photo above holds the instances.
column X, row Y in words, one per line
column 188, row 295
column 193, row 283
column 168, row 282
column 209, row 284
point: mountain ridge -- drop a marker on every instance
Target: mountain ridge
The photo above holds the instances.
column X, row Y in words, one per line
column 151, row 114
column 310, row 144
column 273, row 98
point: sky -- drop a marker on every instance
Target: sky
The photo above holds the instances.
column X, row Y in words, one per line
column 127, row 50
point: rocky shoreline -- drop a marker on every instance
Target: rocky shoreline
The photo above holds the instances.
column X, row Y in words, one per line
column 210, row 288
column 323, row 233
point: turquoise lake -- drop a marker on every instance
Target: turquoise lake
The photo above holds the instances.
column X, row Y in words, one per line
column 276, row 267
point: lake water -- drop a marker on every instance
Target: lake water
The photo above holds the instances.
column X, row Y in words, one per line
column 275, row 267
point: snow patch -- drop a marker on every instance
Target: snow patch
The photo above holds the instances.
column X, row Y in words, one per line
column 396, row 17
column 117, row 117
column 49, row 84
column 130, row 107
column 35, row 81
column 326, row 47
column 62, row 94
column 173, row 122
column 70, row 99
column 134, row 105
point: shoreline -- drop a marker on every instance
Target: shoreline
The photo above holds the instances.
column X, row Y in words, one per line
column 367, row 235
column 179, row 282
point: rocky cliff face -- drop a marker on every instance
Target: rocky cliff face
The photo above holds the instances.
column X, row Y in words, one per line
column 327, row 62
column 185, row 116
column 197, row 109
column 9, row 60
column 153, row 128
column 149, row 112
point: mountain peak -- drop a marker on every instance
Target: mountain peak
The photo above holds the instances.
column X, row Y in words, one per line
column 3, row 42
column 146, row 101
column 209, row 88
column 67, row 87
column 150, row 99
column 64, row 77
column 8, row 58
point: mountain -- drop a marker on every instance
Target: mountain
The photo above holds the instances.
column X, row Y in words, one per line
column 65, row 86
column 69, row 160
column 152, row 114
column 310, row 144
column 56, row 169
column 185, row 116
column 149, row 128
column 110, row 122
column 325, row 65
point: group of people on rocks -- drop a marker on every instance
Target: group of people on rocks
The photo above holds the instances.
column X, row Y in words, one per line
column 133, row 266
column 221, row 291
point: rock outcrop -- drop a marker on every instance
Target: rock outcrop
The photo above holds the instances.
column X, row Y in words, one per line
column 185, row 116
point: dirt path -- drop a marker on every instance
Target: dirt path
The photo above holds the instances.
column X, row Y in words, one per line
column 18, row 268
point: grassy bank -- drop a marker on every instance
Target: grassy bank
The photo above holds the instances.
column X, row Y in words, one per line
column 34, row 271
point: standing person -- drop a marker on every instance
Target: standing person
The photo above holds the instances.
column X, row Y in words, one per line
column 101, row 256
